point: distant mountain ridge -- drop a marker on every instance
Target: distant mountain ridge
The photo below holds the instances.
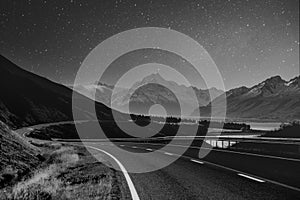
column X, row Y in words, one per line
column 272, row 99
column 120, row 99
column 28, row 99
column 186, row 94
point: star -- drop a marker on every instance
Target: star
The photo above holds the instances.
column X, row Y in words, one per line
column 255, row 34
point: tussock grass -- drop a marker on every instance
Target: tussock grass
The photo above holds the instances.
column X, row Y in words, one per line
column 69, row 173
column 17, row 156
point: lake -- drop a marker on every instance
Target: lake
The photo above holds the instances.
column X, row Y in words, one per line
column 265, row 126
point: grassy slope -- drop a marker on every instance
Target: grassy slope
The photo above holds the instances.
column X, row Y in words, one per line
column 17, row 157
column 62, row 172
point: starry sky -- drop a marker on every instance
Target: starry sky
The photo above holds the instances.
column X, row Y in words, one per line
column 249, row 40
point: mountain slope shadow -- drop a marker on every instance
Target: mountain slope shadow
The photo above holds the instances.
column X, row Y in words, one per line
column 28, row 99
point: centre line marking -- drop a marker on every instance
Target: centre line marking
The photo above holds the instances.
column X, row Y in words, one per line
column 170, row 154
column 149, row 149
column 197, row 161
column 252, row 178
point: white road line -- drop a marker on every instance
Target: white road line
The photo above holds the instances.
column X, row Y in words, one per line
column 234, row 152
column 122, row 145
column 237, row 171
column 197, row 161
column 167, row 153
column 252, row 178
column 132, row 189
column 149, row 149
column 265, row 179
column 134, row 147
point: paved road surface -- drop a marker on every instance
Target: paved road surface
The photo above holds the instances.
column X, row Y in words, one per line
column 189, row 178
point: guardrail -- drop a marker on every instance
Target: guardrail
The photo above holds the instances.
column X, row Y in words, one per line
column 222, row 140
column 285, row 147
column 219, row 138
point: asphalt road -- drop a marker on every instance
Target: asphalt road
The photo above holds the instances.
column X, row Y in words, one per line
column 189, row 178
column 220, row 175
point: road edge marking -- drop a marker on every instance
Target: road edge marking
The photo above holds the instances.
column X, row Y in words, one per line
column 133, row 192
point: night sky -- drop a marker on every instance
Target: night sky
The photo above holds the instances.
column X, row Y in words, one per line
column 248, row 40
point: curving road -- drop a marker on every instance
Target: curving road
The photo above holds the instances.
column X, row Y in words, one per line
column 218, row 176
column 190, row 178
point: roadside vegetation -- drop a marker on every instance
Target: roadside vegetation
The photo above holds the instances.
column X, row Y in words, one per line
column 44, row 170
column 170, row 128
column 68, row 173
column 288, row 130
column 17, row 156
column 280, row 148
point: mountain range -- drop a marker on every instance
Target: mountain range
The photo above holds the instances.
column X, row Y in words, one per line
column 273, row 99
column 27, row 99
column 120, row 99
